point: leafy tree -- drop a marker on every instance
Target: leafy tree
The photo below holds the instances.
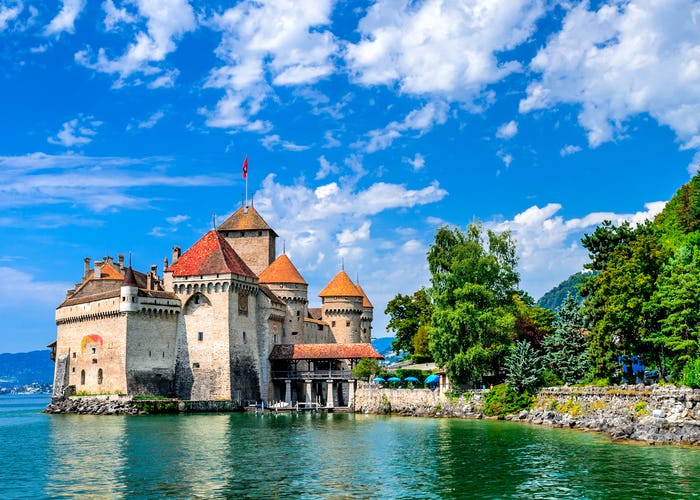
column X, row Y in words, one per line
column 532, row 323
column 523, row 367
column 406, row 315
column 365, row 368
column 676, row 302
column 628, row 260
column 473, row 280
column 421, row 348
column 566, row 353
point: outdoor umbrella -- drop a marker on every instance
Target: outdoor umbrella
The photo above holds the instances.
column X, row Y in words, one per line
column 394, row 380
column 411, row 379
column 432, row 379
column 378, row 380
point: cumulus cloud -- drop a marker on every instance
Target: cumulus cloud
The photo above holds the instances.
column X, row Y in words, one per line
column 76, row 132
column 65, row 19
column 417, row 162
column 440, row 48
column 9, row 13
column 165, row 22
column 419, row 121
column 266, row 44
column 274, row 141
column 507, row 130
column 326, row 168
column 622, row 59
column 548, row 244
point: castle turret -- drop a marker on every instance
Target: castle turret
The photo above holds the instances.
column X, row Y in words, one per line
column 367, row 317
column 287, row 284
column 251, row 237
column 129, row 293
column 341, row 307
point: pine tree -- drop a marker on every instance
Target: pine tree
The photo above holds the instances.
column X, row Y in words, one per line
column 566, row 353
column 523, row 367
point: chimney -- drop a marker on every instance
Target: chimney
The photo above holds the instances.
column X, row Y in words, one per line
column 165, row 264
column 98, row 269
column 87, row 268
column 120, row 258
column 176, row 254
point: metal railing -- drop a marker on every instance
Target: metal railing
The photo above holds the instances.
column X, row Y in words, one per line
column 312, row 374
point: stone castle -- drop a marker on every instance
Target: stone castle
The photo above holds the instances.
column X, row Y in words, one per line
column 226, row 321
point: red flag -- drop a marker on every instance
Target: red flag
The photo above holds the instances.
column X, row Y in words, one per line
column 245, row 167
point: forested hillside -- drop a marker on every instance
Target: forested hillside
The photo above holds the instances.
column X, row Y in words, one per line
column 554, row 298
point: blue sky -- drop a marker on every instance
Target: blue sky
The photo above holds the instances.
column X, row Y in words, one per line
column 367, row 125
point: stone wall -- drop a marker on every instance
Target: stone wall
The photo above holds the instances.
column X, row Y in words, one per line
column 653, row 414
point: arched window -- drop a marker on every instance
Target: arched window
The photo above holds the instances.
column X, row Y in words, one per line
column 82, row 377
column 99, row 376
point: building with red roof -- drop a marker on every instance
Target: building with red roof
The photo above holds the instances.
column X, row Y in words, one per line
column 228, row 319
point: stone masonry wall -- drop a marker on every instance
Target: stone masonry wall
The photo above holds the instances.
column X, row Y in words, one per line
column 653, row 414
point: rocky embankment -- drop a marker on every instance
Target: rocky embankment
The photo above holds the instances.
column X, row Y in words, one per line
column 652, row 414
column 95, row 405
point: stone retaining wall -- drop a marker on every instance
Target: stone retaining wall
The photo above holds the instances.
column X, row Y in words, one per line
column 120, row 405
column 653, row 414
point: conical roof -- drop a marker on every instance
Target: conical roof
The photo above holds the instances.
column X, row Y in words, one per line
column 365, row 299
column 282, row 271
column 340, row 286
column 210, row 255
column 129, row 278
column 245, row 219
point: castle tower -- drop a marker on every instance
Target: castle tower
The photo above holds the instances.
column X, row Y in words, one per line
column 286, row 282
column 367, row 317
column 128, row 301
column 341, row 307
column 251, row 237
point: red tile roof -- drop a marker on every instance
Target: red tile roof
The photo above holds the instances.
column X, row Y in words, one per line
column 245, row 219
column 210, row 255
column 365, row 299
column 282, row 271
column 340, row 286
column 323, row 351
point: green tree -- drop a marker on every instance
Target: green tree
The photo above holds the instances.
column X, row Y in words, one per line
column 532, row 323
column 565, row 350
column 523, row 367
column 406, row 315
column 365, row 368
column 615, row 299
column 474, row 280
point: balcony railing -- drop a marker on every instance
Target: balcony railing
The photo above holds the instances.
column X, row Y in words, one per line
column 312, row 374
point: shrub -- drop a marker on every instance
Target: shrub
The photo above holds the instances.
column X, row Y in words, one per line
column 502, row 400
column 691, row 374
column 550, row 379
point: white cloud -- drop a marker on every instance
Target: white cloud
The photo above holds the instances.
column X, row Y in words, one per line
column 274, row 141
column 9, row 13
column 548, row 244
column 76, row 132
column 98, row 183
column 65, row 19
column 419, row 120
column 326, row 169
column 331, row 141
column 265, row 44
column 417, row 162
column 569, row 149
column 626, row 58
column 177, row 219
column 694, row 165
column 347, row 237
column 19, row 288
column 152, row 120
column 507, row 130
column 440, row 48
column 506, row 158
column 165, row 22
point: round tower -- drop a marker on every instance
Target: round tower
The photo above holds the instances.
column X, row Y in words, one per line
column 129, row 293
column 286, row 282
column 367, row 317
column 341, row 308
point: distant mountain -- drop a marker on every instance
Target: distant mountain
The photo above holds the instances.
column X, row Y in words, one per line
column 554, row 298
column 25, row 368
column 383, row 347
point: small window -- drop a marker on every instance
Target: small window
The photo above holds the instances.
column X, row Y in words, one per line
column 82, row 377
column 259, row 233
column 163, row 353
column 332, row 323
column 295, row 333
column 196, row 299
column 200, row 336
column 73, row 369
column 275, row 339
column 244, row 341
column 298, row 313
column 94, row 350
column 149, row 354
column 99, row 376
column 195, row 365
column 347, row 323
column 74, row 355
column 320, row 327
column 94, row 361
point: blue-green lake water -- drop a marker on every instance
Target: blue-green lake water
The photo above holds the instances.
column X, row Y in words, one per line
column 322, row 456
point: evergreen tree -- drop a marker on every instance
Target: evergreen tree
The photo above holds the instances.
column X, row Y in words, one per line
column 566, row 353
column 523, row 367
